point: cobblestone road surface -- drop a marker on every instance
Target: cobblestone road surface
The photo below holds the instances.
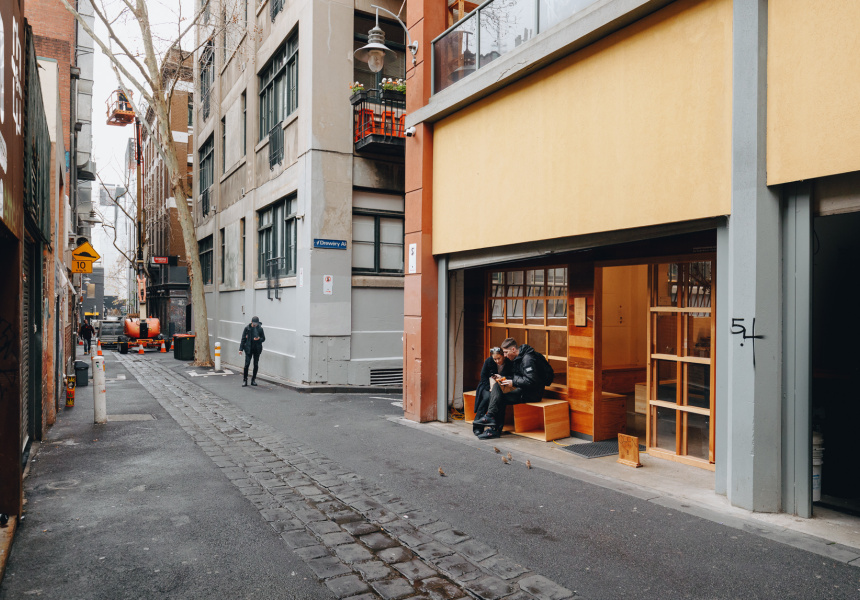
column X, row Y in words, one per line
column 358, row 538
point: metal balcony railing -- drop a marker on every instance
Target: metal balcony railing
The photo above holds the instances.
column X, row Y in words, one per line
column 274, row 269
column 205, row 105
column 379, row 121
column 276, row 146
column 276, row 6
column 495, row 28
column 204, row 202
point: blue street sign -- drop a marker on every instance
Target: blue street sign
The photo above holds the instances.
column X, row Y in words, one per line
column 330, row 244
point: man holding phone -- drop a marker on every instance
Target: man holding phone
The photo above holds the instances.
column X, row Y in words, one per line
column 252, row 344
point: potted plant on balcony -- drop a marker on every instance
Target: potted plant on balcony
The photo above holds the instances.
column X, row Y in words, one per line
column 393, row 90
column 358, row 93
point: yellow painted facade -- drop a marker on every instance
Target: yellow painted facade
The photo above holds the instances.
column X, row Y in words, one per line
column 813, row 100
column 631, row 131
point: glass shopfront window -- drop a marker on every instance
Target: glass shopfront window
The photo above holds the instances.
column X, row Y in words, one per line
column 530, row 305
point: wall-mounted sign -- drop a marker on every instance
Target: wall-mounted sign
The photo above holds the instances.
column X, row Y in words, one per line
column 330, row 244
column 328, row 284
column 159, row 260
column 413, row 258
column 579, row 317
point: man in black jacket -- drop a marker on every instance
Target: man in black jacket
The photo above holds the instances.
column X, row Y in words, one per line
column 87, row 332
column 252, row 344
column 527, row 386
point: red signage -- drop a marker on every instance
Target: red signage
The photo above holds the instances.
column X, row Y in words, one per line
column 159, row 260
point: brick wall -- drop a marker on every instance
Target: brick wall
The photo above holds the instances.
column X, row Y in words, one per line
column 54, row 37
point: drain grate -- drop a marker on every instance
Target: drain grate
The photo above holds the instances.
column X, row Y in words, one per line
column 596, row 449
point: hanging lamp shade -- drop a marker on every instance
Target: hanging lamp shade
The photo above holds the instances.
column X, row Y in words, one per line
column 374, row 52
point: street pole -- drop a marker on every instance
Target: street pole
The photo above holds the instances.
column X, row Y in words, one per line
column 141, row 278
column 99, row 390
column 217, row 357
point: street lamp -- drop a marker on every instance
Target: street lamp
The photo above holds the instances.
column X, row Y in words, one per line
column 373, row 53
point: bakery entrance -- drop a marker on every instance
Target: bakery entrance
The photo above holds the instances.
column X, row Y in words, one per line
column 657, row 346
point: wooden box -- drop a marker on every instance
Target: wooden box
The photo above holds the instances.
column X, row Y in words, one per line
column 546, row 421
column 641, row 398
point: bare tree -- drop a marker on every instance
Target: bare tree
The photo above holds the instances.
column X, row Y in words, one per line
column 141, row 63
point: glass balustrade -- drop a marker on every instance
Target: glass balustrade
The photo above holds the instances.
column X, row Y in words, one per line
column 494, row 29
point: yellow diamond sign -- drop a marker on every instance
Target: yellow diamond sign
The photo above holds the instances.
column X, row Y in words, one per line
column 83, row 258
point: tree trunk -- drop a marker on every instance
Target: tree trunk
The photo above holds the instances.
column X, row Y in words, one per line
column 202, row 357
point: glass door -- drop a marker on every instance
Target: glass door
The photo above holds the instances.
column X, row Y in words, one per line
column 681, row 350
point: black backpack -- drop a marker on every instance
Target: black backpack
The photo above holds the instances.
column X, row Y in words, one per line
column 546, row 372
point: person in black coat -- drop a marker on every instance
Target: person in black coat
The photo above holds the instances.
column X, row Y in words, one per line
column 496, row 364
column 526, row 386
column 252, row 344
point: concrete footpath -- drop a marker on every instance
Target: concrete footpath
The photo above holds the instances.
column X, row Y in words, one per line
column 135, row 509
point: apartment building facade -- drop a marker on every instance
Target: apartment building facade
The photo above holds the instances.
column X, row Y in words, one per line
column 295, row 224
column 168, row 294
column 657, row 195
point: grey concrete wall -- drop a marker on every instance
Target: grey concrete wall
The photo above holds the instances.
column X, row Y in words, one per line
column 312, row 336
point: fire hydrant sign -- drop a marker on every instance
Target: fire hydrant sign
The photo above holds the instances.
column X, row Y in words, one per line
column 83, row 258
column 328, row 282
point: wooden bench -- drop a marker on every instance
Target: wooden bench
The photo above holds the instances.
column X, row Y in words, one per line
column 547, row 420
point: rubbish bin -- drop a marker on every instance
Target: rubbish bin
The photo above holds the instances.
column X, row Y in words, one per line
column 183, row 346
column 82, row 373
column 123, row 347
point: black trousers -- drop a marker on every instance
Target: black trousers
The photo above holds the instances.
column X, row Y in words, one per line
column 499, row 400
column 248, row 356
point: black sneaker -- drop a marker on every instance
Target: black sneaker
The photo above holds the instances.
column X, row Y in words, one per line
column 244, row 383
column 486, row 421
column 489, row 434
column 253, row 382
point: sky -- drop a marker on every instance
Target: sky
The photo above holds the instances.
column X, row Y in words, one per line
column 109, row 142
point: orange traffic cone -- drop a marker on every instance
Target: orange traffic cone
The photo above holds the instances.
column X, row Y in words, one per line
column 99, row 351
column 163, row 349
column 140, row 348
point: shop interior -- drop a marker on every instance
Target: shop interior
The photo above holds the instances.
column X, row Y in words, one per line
column 625, row 341
column 628, row 331
column 835, row 362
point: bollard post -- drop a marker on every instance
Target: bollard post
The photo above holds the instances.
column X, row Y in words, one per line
column 217, row 356
column 99, row 400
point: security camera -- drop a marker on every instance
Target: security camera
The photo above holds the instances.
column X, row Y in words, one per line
column 410, row 131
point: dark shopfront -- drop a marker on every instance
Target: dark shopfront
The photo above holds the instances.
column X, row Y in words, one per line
column 628, row 329
column 167, row 297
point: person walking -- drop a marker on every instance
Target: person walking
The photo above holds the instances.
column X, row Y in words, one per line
column 252, row 344
column 87, row 332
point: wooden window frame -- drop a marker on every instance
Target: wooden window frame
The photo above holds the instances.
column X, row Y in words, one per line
column 682, row 312
column 520, row 330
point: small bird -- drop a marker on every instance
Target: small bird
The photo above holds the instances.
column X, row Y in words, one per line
column 528, row 464
column 441, row 472
column 496, row 450
column 504, row 460
column 510, row 457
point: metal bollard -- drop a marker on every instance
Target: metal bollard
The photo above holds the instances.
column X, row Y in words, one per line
column 217, row 356
column 99, row 399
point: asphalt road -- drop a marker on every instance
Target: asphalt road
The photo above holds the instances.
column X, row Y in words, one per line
column 601, row 543
column 138, row 510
